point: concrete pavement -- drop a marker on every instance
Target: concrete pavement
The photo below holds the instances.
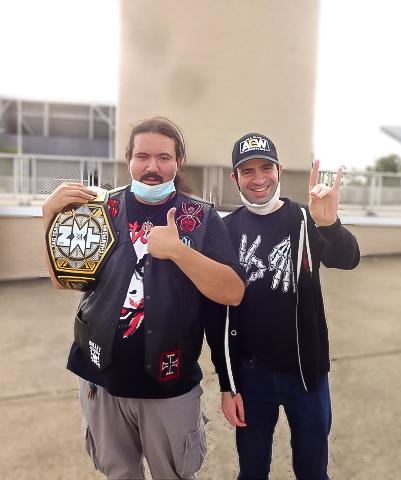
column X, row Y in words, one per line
column 40, row 425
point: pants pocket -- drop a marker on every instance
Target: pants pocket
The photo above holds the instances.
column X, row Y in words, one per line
column 90, row 447
column 195, row 450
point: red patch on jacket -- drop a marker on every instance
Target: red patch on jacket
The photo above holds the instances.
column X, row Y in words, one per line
column 189, row 216
column 113, row 207
column 170, row 365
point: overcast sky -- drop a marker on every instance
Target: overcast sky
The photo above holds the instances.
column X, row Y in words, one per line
column 358, row 83
column 359, row 80
column 48, row 51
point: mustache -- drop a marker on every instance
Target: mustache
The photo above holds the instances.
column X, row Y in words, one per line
column 151, row 176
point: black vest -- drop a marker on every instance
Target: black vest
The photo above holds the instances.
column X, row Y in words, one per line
column 173, row 322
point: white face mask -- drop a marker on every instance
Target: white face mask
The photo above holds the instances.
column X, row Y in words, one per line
column 152, row 193
column 264, row 208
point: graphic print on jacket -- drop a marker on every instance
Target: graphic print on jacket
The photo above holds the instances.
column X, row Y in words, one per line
column 132, row 311
column 279, row 261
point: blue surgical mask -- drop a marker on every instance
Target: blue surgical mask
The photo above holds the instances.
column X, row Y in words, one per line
column 152, row 193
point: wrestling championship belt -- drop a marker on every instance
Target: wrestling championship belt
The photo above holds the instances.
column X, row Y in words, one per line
column 79, row 241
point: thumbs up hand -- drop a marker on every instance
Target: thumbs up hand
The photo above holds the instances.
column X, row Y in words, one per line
column 164, row 242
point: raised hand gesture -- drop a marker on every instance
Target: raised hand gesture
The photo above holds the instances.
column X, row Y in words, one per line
column 323, row 199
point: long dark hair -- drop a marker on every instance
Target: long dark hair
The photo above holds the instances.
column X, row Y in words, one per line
column 166, row 127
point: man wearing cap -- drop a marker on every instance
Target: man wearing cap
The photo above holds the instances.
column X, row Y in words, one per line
column 274, row 349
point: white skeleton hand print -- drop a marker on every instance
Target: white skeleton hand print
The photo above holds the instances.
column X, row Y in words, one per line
column 280, row 260
column 249, row 260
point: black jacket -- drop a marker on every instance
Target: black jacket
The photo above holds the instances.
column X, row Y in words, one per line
column 172, row 304
column 334, row 247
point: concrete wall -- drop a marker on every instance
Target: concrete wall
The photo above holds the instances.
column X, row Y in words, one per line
column 373, row 240
column 220, row 69
column 22, row 249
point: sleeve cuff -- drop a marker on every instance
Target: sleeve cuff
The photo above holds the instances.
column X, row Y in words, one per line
column 329, row 228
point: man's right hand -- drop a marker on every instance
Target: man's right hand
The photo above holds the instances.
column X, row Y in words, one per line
column 233, row 409
column 65, row 195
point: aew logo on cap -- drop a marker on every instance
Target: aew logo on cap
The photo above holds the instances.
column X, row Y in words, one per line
column 254, row 143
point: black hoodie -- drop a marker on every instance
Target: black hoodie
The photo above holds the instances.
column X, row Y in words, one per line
column 334, row 247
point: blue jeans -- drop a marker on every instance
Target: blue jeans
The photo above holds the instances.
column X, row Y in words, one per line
column 263, row 390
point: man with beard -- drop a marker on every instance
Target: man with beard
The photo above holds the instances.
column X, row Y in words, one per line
column 139, row 333
column 274, row 349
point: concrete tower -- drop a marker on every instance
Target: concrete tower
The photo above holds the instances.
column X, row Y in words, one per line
column 220, row 69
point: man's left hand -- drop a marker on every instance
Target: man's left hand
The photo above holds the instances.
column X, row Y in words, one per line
column 163, row 242
column 323, row 200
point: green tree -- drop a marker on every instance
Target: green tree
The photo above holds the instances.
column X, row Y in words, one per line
column 390, row 163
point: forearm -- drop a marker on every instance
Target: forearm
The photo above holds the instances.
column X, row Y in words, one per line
column 216, row 281
column 215, row 324
column 341, row 248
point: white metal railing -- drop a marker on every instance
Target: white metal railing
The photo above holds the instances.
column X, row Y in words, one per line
column 372, row 192
column 30, row 176
column 26, row 178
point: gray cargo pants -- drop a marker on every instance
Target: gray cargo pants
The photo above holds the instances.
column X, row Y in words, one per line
column 120, row 432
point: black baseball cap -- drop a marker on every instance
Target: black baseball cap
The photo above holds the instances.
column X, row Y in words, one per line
column 253, row 145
